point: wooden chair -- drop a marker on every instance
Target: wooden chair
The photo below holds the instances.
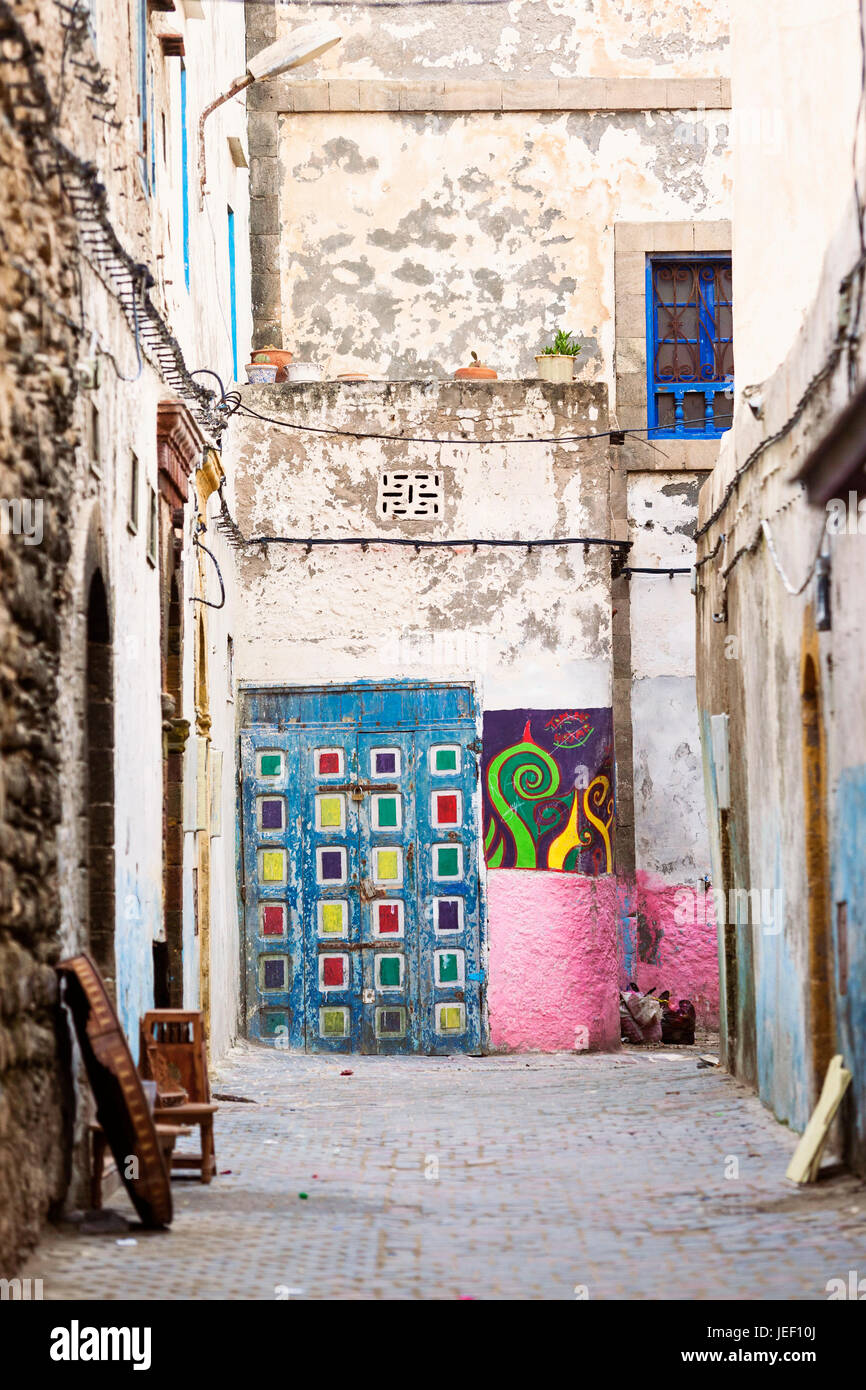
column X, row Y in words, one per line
column 167, row 1136
column 174, row 1055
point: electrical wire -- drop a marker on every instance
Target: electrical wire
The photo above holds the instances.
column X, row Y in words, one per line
column 761, row 448
column 418, row 544
column 642, row 569
column 207, row 602
column 430, row 439
column 771, row 546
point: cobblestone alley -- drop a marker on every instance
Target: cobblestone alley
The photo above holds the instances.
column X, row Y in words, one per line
column 519, row 1177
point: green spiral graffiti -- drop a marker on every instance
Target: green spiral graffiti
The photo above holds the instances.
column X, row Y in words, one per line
column 517, row 777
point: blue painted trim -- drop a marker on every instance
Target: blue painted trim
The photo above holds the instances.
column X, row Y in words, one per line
column 143, row 108
column 371, row 704
column 184, row 161
column 654, row 388
column 233, row 290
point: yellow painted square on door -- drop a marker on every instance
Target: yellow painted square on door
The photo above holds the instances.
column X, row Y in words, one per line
column 330, row 811
column 273, row 866
column 332, row 919
column 387, row 865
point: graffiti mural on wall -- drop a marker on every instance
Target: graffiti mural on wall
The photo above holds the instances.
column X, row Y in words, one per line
column 548, row 790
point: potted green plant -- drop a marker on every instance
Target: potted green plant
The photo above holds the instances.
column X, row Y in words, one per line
column 556, row 361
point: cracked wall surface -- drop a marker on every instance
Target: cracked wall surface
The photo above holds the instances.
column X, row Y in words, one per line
column 414, row 199
column 528, row 628
column 409, row 240
column 528, row 38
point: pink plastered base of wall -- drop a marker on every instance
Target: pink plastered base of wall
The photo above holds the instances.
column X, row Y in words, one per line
column 554, row 961
column 672, row 926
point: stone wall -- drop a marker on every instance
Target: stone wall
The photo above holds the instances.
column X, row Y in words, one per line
column 38, row 348
column 79, row 401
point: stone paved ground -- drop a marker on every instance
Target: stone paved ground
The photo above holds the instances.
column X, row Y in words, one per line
column 553, row 1171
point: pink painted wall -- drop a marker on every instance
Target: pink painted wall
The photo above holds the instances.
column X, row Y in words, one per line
column 554, row 960
column 669, row 940
column 562, row 945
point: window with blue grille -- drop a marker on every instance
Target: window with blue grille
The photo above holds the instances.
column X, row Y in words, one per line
column 690, row 346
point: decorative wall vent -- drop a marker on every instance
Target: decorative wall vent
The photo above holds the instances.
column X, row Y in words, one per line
column 416, row 496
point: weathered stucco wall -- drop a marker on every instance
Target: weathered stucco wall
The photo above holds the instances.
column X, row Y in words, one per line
column 553, row 962
column 409, row 241
column 532, row 629
column 422, row 193
column 151, row 225
column 431, row 188
column 529, row 38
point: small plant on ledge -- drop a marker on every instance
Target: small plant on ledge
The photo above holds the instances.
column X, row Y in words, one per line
column 556, row 361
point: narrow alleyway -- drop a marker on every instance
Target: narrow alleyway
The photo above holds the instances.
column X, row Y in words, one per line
column 601, row 1171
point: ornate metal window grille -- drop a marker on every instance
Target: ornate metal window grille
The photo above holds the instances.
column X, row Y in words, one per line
column 690, row 346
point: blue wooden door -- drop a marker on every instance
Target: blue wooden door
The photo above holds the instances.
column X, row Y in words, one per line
column 360, row 836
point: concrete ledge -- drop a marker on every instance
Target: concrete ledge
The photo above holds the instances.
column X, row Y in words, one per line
column 573, row 94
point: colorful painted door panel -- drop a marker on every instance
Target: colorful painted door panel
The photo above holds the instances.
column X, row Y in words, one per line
column 360, row 873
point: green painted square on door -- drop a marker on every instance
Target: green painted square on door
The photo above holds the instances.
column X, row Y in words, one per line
column 387, row 812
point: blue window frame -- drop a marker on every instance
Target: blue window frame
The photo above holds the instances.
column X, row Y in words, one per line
column 233, row 290
column 184, row 161
column 690, row 347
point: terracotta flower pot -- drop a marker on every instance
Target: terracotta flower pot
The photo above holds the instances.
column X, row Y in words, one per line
column 555, row 366
column 476, row 371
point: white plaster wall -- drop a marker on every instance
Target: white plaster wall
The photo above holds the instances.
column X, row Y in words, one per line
column 793, row 178
column 133, row 594
column 530, row 629
column 670, row 813
column 224, row 925
column 408, row 241
column 201, row 316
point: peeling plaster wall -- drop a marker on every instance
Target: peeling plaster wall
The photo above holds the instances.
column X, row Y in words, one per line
column 532, row 630
column 395, row 242
column 409, row 240
column 529, row 38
